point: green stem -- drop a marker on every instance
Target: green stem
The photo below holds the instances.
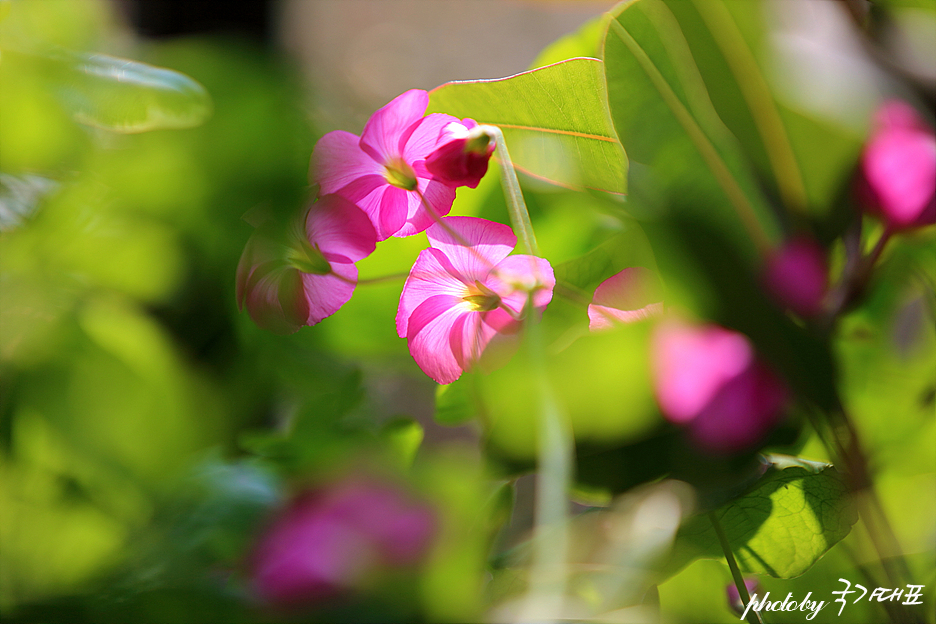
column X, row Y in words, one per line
column 753, row 617
column 382, row 278
column 519, row 215
column 555, row 458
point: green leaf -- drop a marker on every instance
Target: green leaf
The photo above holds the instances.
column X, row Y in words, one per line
column 798, row 511
column 664, row 116
column 129, row 97
column 803, row 161
column 627, row 249
column 403, row 436
column 453, row 403
column 554, row 119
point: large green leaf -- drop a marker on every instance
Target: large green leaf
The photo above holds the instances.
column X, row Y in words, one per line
column 554, row 119
column 664, row 116
column 127, row 96
column 797, row 512
column 802, row 160
column 705, row 215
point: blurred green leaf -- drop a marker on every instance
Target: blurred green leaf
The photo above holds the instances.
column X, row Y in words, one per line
column 128, row 96
column 662, row 112
column 586, row 41
column 798, row 511
column 803, row 161
column 453, row 403
column 403, row 436
column 627, row 249
column 554, row 119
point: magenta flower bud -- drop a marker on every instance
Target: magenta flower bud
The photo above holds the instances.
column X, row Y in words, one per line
column 797, row 276
column 307, row 274
column 734, row 596
column 897, row 176
column 632, row 295
column 462, row 156
column 709, row 380
column 325, row 542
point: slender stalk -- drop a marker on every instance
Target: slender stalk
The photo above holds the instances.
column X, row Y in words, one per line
column 382, row 278
column 853, row 281
column 753, row 617
column 519, row 216
column 554, row 461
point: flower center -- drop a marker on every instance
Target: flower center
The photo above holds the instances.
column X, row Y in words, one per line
column 398, row 173
column 481, row 298
column 308, row 259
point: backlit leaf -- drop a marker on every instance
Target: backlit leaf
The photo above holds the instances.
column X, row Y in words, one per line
column 555, row 122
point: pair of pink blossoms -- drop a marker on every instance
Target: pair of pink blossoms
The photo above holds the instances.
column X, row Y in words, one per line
column 397, row 179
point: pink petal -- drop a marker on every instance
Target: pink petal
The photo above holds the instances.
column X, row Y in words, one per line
column 741, row 413
column 473, row 245
column 900, row 168
column 338, row 161
column 426, row 136
column 428, row 335
column 897, row 114
column 468, row 338
column 274, row 299
column 392, row 211
column 432, row 274
column 338, row 227
column 515, row 276
column 325, row 294
column 691, row 363
column 388, row 129
column 437, row 195
column 631, row 295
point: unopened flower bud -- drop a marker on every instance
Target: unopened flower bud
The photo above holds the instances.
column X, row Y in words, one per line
column 461, row 159
column 897, row 175
column 797, row 276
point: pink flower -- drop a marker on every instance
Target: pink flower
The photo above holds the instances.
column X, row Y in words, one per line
column 897, row 179
column 464, row 291
column 631, row 295
column 709, row 380
column 463, row 155
column 383, row 171
column 307, row 275
column 326, row 541
column 797, row 276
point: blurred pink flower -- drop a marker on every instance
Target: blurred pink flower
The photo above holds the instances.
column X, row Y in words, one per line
column 383, row 171
column 631, row 295
column 797, row 276
column 326, row 541
column 708, row 379
column 299, row 279
column 464, row 291
column 897, row 179
column 734, row 596
column 462, row 156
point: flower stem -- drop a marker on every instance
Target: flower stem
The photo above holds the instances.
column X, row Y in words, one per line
column 555, row 457
column 519, row 215
column 382, row 278
column 753, row 617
